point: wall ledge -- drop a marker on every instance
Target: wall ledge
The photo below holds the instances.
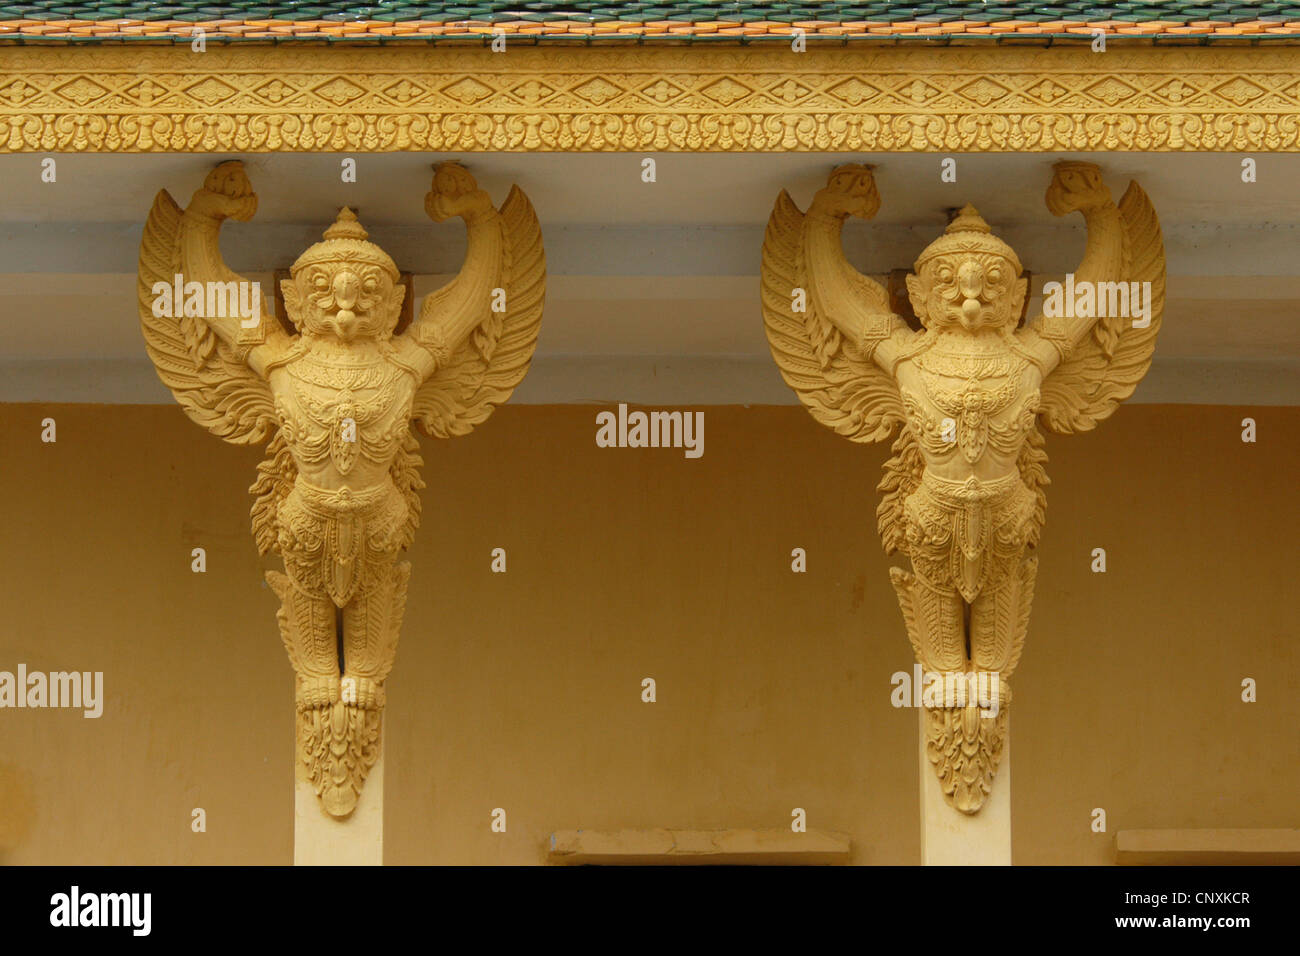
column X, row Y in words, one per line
column 1238, row 847
column 695, row 847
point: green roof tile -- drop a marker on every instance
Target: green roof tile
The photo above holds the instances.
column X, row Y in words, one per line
column 931, row 12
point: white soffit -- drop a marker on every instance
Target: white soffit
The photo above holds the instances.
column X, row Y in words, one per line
column 653, row 290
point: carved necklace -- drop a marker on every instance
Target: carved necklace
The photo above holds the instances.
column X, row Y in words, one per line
column 371, row 374
column 967, row 366
column 360, row 411
column 970, row 398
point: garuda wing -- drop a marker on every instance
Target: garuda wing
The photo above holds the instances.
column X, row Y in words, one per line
column 841, row 387
column 482, row 373
column 1105, row 367
column 214, row 386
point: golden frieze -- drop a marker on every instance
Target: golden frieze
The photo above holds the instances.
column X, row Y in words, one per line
column 901, row 99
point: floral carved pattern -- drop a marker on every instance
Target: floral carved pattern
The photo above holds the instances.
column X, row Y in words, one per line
column 898, row 100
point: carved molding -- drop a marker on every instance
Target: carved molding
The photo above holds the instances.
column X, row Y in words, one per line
column 903, row 99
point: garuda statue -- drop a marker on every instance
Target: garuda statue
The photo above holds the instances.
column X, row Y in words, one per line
column 337, row 495
column 969, row 393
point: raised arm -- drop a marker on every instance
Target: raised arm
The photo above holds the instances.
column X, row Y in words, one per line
column 856, row 305
column 475, row 336
column 478, row 294
column 214, row 366
column 231, row 305
column 1077, row 187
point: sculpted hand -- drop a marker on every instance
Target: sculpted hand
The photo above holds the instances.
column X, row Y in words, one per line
column 851, row 191
column 1076, row 187
column 455, row 193
column 226, row 194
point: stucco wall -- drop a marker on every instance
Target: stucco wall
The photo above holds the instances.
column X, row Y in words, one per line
column 522, row 690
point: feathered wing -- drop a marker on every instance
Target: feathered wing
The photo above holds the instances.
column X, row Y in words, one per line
column 215, row 389
column 482, row 374
column 1032, row 465
column 841, row 388
column 275, row 477
column 405, row 472
column 1107, row 365
column 902, row 477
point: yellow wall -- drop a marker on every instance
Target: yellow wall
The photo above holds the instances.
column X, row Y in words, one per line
column 522, row 690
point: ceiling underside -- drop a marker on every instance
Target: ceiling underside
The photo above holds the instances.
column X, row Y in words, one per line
column 653, row 288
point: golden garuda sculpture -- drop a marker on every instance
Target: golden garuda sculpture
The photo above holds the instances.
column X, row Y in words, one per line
column 337, row 495
column 969, row 393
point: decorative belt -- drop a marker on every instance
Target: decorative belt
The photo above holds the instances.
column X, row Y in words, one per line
column 328, row 502
column 969, row 490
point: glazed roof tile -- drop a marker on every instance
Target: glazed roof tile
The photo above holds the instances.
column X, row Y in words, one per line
column 642, row 20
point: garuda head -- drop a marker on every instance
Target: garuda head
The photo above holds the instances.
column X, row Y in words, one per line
column 344, row 288
column 967, row 278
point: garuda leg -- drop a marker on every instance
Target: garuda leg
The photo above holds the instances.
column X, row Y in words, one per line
column 340, row 613
column 961, row 743
column 957, row 639
column 340, row 716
